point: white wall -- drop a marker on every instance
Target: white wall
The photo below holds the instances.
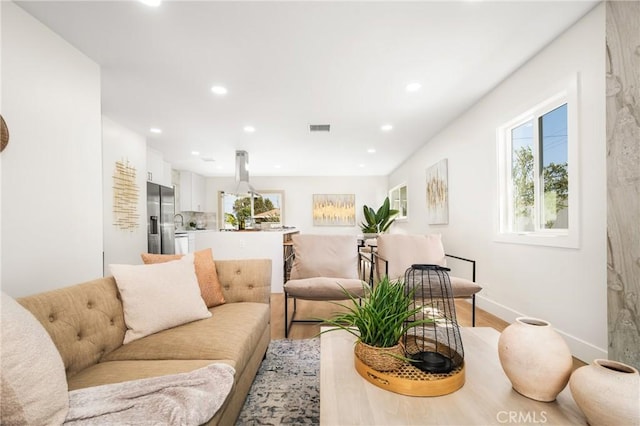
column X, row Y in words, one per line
column 52, row 168
column 121, row 144
column 298, row 196
column 564, row 286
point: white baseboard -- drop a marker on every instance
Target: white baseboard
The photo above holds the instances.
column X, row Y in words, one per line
column 580, row 349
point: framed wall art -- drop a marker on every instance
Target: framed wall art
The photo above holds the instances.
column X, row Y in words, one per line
column 438, row 193
column 334, row 209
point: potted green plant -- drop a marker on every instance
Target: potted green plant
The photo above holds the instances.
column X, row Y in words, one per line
column 379, row 323
column 378, row 221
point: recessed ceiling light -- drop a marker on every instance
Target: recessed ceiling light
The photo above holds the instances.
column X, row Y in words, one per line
column 219, row 90
column 195, row 153
column 277, row 166
column 412, row 87
column 386, row 127
column 249, row 129
column 371, row 150
column 360, row 165
column 152, row 3
column 155, row 130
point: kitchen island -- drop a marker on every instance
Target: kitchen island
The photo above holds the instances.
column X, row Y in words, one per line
column 249, row 245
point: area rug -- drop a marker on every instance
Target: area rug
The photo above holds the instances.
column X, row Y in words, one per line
column 286, row 390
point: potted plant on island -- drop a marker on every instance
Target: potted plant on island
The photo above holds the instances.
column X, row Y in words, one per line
column 377, row 221
column 379, row 322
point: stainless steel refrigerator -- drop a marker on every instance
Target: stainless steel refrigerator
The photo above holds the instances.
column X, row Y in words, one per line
column 160, row 212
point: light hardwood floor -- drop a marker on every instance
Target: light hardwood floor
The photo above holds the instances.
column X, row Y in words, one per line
column 313, row 310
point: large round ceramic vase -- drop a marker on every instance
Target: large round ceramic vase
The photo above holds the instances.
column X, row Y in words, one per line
column 535, row 358
column 607, row 392
column 380, row 359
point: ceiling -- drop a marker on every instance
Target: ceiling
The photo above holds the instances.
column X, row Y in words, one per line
column 287, row 65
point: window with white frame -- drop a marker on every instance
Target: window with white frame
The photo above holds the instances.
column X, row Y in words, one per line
column 237, row 210
column 398, row 201
column 538, row 174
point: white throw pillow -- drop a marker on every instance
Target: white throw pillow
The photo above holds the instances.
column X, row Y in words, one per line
column 34, row 383
column 158, row 296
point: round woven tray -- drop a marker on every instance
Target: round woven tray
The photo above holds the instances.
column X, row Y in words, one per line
column 409, row 380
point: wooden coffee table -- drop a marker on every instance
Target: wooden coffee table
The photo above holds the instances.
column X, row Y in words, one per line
column 486, row 398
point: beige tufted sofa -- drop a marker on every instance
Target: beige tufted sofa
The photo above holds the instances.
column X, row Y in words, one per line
column 86, row 323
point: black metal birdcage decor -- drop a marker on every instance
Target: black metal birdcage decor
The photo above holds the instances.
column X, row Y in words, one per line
column 434, row 346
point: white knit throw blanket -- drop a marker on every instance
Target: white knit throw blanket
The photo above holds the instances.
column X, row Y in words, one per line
column 178, row 399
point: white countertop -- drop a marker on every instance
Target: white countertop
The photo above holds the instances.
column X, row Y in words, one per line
column 187, row 231
column 196, row 231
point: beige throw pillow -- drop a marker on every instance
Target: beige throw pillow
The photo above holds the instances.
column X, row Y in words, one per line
column 210, row 287
column 34, row 383
column 159, row 296
column 401, row 251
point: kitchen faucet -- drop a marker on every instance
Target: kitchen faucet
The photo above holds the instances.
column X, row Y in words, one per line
column 175, row 224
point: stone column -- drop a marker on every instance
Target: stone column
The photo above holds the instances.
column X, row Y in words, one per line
column 623, row 180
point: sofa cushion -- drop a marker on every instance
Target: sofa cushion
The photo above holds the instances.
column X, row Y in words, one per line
column 159, row 296
column 189, row 398
column 105, row 373
column 206, row 272
column 34, row 384
column 462, row 287
column 232, row 333
column 323, row 288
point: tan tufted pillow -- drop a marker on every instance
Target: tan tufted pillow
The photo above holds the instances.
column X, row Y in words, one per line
column 34, row 383
column 158, row 297
column 210, row 287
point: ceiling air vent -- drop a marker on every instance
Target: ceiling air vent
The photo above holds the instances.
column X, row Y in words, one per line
column 319, row 127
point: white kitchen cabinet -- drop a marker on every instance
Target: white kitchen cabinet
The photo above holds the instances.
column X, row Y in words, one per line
column 166, row 174
column 158, row 170
column 192, row 192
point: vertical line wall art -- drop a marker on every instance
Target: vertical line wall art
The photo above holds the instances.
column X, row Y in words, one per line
column 125, row 197
column 438, row 193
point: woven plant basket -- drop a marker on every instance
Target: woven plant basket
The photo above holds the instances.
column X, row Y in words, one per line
column 380, row 359
column 4, row 134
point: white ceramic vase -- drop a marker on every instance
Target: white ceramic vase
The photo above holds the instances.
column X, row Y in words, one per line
column 535, row 358
column 607, row 392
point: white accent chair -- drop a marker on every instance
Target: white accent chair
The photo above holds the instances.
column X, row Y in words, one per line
column 397, row 252
column 324, row 266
